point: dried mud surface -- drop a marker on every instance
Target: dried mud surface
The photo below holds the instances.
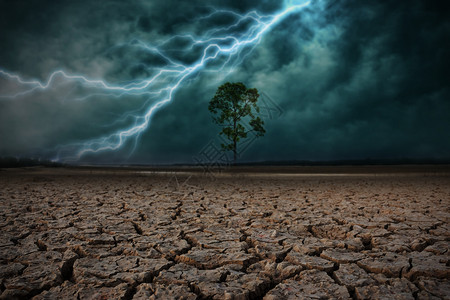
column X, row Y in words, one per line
column 112, row 234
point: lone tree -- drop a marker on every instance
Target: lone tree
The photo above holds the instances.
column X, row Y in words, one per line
column 232, row 107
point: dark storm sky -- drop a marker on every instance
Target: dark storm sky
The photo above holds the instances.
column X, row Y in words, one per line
column 355, row 79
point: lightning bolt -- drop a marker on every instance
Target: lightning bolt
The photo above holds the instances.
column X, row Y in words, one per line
column 219, row 50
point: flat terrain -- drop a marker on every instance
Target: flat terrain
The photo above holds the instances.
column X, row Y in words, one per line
column 249, row 233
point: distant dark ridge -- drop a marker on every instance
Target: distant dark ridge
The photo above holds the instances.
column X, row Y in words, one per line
column 22, row 162
column 13, row 162
column 362, row 162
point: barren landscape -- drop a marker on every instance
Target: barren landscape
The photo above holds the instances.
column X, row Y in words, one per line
column 267, row 233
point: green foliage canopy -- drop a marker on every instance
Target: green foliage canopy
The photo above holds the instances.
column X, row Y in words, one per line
column 233, row 106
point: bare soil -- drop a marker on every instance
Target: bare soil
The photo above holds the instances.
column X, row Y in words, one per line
column 245, row 233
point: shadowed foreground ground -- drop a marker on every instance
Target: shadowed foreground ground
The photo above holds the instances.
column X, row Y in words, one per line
column 111, row 234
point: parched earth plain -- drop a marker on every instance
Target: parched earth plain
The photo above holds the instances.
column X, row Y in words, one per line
column 126, row 234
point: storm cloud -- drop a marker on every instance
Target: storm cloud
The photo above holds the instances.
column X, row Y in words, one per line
column 354, row 79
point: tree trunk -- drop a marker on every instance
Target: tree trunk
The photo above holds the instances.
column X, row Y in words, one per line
column 235, row 152
column 234, row 143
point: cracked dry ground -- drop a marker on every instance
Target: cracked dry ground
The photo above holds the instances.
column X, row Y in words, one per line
column 119, row 235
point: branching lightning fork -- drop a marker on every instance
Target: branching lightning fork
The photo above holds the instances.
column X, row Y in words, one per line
column 220, row 49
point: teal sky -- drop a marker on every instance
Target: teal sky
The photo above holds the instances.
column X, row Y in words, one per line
column 348, row 79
